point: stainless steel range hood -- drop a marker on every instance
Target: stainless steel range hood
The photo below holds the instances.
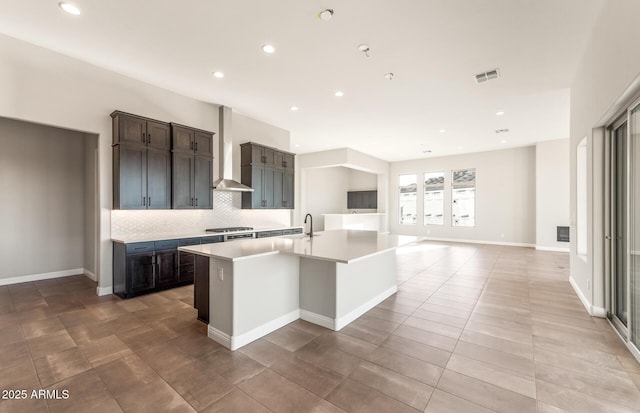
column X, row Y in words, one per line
column 226, row 182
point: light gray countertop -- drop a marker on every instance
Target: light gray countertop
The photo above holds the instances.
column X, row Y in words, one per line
column 162, row 236
column 343, row 246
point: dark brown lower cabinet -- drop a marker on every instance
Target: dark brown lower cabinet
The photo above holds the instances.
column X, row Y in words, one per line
column 140, row 273
column 201, row 288
column 167, row 268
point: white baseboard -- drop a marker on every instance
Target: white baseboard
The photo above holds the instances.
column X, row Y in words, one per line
column 475, row 241
column 591, row 309
column 368, row 305
column 219, row 336
column 89, row 274
column 554, row 249
column 42, row 276
column 241, row 340
column 104, row 290
column 318, row 319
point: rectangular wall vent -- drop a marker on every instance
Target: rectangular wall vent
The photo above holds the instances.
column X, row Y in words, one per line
column 488, row 75
column 562, row 234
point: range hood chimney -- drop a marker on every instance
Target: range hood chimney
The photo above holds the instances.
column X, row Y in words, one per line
column 226, row 182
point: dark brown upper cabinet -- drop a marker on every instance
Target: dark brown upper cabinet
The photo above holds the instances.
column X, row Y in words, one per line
column 191, row 140
column 141, row 162
column 192, row 180
column 137, row 130
column 270, row 172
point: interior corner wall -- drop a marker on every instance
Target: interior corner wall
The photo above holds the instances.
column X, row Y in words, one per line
column 326, row 194
column 598, row 88
column 41, row 213
column 552, row 192
column 505, row 197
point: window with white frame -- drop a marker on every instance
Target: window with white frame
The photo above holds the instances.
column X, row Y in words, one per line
column 408, row 197
column 463, row 198
column 434, row 198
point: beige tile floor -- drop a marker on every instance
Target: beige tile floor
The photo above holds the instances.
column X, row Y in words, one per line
column 473, row 328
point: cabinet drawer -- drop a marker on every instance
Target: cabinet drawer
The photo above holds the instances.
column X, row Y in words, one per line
column 297, row 231
column 171, row 244
column 287, row 232
column 139, row 247
column 277, row 233
column 211, row 240
column 189, row 241
column 263, row 234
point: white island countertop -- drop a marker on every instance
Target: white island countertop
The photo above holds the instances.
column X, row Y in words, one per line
column 343, row 246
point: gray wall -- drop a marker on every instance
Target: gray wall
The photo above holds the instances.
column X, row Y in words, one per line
column 42, row 187
column 505, row 196
column 599, row 89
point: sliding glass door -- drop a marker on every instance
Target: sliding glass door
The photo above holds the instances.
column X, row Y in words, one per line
column 624, row 211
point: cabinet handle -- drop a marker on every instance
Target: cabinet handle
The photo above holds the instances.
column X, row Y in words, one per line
column 144, row 201
column 143, row 137
column 191, row 145
column 196, row 147
column 149, row 203
column 284, row 163
column 191, row 201
column 148, row 138
column 196, row 201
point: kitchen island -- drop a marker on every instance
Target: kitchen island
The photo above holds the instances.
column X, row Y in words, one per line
column 259, row 285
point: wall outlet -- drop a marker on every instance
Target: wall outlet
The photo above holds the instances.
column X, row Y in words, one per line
column 220, row 274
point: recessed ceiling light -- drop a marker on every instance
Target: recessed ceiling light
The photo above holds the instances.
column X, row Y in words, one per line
column 443, row 130
column 269, row 49
column 69, row 8
column 339, row 93
column 294, row 108
column 500, row 113
column 325, row 14
column 503, row 141
column 218, row 75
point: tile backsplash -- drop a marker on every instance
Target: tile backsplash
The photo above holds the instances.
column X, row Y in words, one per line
column 226, row 212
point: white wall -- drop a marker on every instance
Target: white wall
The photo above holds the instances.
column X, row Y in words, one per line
column 326, row 192
column 362, row 181
column 90, row 212
column 42, row 187
column 552, row 192
column 505, row 196
column 606, row 78
column 45, row 87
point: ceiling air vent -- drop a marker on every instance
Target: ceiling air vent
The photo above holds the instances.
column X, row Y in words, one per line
column 488, row 75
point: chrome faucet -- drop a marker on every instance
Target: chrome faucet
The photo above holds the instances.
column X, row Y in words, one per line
column 310, row 233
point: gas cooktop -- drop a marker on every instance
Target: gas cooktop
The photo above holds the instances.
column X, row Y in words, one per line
column 230, row 229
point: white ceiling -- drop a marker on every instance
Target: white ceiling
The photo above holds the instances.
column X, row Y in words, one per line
column 434, row 47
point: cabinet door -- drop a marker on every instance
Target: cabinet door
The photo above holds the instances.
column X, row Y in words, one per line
column 140, row 274
column 278, row 188
column 203, row 176
column 269, row 157
column 279, row 160
column 257, row 196
column 183, row 185
column 158, row 135
column 257, row 154
column 167, row 268
column 288, row 162
column 183, row 139
column 288, row 190
column 186, row 267
column 201, row 289
column 158, row 179
column 268, row 187
column 372, row 199
column 132, row 129
column 203, row 144
column 132, row 177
